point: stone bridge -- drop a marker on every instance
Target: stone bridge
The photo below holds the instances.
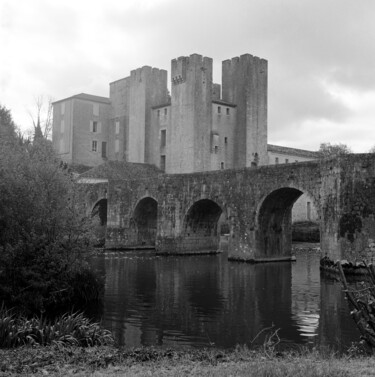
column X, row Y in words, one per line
column 180, row 213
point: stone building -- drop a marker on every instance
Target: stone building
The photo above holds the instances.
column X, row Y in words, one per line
column 199, row 126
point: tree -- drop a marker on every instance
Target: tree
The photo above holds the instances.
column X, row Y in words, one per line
column 328, row 150
column 43, row 233
column 42, row 118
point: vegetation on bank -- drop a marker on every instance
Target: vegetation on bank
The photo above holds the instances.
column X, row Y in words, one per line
column 44, row 234
column 110, row 361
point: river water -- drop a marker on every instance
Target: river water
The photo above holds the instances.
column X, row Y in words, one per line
column 203, row 301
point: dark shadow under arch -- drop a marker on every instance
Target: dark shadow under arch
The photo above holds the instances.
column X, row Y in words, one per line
column 200, row 229
column 99, row 215
column 145, row 218
column 274, row 231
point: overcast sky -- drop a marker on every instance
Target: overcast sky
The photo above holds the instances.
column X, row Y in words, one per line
column 321, row 55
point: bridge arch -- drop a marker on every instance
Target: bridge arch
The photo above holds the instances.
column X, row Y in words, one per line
column 99, row 216
column 144, row 221
column 200, row 226
column 274, row 216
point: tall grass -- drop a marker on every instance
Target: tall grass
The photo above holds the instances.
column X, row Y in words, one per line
column 68, row 329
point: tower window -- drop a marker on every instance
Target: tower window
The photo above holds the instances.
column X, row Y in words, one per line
column 216, row 149
column 163, row 138
column 94, row 126
column 276, row 160
column 219, row 109
column 162, row 162
column 227, row 110
column 94, row 146
column 165, row 111
column 104, row 149
column 226, row 140
column 286, row 160
column 222, row 165
column 158, row 113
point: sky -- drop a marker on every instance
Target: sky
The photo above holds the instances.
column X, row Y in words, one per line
column 320, row 53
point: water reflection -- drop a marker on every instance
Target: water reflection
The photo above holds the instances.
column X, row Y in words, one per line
column 206, row 300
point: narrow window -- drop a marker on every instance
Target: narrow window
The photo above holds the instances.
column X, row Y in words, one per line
column 158, row 113
column 96, row 109
column 219, row 109
column 227, row 110
column 308, row 211
column 104, row 149
column 226, row 140
column 276, row 160
column 216, row 149
column 94, row 146
column 222, row 165
column 117, row 127
column 94, row 126
column 162, row 162
column 286, row 160
column 163, row 138
column 62, row 146
column 165, row 111
column 117, row 146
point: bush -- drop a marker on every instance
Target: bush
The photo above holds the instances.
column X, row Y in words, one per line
column 69, row 329
column 44, row 234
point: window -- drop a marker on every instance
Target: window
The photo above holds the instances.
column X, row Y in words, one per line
column 226, row 140
column 216, row 149
column 296, row 160
column 162, row 162
column 117, row 124
column 219, row 109
column 62, row 127
column 222, row 165
column 94, row 126
column 158, row 113
column 104, row 149
column 286, row 160
column 94, row 146
column 117, row 146
column 165, row 111
column 163, row 138
column 62, row 146
column 96, row 109
column 308, row 209
column 227, row 110
column 276, row 160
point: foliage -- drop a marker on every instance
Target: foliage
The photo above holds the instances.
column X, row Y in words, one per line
column 328, row 150
column 44, row 238
column 69, row 329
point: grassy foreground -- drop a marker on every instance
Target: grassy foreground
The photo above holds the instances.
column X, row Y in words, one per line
column 110, row 361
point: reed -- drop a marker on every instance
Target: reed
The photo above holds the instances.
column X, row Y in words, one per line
column 71, row 329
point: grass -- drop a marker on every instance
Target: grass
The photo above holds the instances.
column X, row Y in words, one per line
column 103, row 361
column 69, row 329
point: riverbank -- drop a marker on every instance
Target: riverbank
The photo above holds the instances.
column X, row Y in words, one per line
column 110, row 361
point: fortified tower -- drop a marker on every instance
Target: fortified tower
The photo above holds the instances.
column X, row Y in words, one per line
column 132, row 99
column 191, row 115
column 244, row 82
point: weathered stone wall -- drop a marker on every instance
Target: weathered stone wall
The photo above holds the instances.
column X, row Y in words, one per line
column 244, row 82
column 257, row 204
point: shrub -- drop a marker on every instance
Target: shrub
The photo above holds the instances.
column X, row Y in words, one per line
column 68, row 329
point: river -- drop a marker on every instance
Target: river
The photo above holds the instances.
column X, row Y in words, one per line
column 203, row 301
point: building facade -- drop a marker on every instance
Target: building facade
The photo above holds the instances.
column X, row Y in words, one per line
column 200, row 126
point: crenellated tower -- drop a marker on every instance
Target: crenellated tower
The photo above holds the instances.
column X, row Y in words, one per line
column 244, row 82
column 191, row 115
